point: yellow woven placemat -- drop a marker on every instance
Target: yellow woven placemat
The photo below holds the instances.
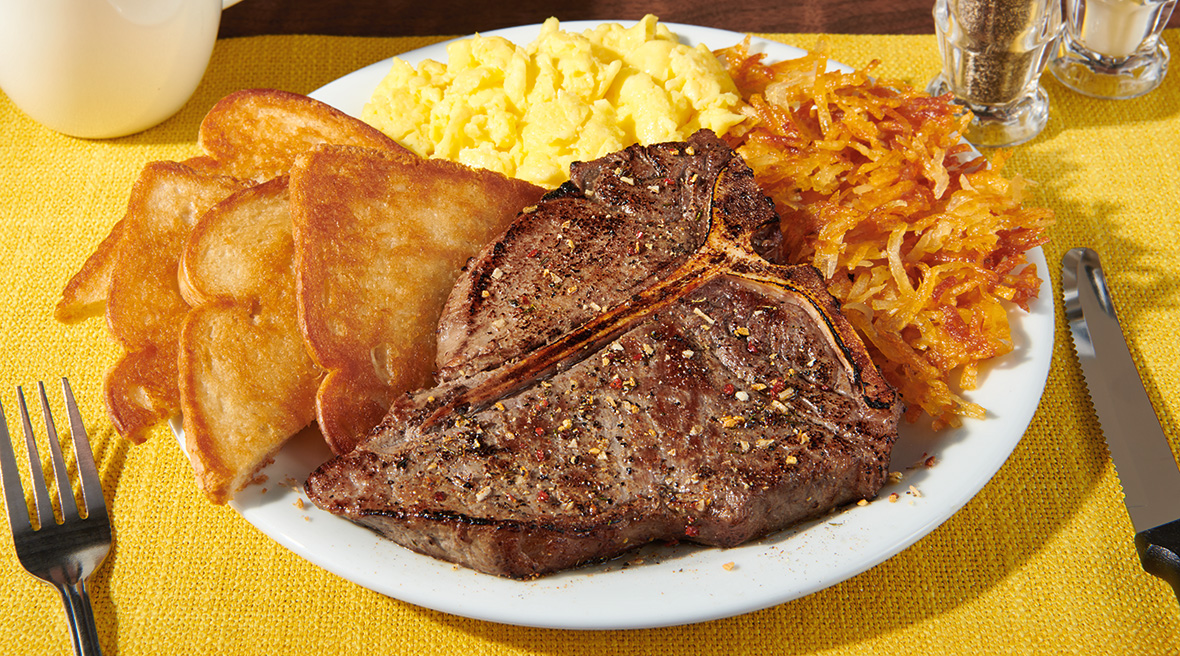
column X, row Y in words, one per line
column 1041, row 561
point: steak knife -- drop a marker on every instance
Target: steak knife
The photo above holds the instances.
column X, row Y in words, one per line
column 1142, row 458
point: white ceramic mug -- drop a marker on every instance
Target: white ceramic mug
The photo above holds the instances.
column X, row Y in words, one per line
column 105, row 68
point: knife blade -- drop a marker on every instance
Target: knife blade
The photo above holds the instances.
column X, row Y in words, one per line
column 1138, row 446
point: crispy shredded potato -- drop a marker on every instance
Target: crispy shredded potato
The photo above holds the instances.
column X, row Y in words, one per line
column 921, row 242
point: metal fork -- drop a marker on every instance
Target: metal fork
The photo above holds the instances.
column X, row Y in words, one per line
column 64, row 554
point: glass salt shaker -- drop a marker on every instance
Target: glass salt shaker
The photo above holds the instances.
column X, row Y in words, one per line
column 993, row 54
column 1112, row 48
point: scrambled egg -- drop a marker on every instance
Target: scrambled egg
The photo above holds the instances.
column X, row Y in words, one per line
column 529, row 111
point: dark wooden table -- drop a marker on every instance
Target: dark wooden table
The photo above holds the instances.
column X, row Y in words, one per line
column 458, row 17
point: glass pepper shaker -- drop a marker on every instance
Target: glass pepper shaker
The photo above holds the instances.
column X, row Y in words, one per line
column 993, row 54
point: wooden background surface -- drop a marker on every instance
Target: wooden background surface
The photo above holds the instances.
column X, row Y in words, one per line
column 459, row 17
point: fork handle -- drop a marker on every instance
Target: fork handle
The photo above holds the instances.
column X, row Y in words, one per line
column 80, row 615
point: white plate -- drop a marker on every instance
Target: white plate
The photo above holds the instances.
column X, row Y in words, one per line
column 683, row 584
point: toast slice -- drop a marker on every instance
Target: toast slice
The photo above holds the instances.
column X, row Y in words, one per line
column 249, row 137
column 247, row 382
column 257, row 133
column 85, row 294
column 380, row 238
column 253, row 134
column 144, row 308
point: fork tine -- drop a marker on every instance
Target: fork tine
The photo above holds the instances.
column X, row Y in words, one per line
column 65, row 490
column 40, row 490
column 87, row 472
column 14, row 493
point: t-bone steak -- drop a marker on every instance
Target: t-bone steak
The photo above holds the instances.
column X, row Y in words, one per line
column 622, row 366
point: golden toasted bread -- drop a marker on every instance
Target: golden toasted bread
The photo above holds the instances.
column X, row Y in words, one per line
column 85, row 295
column 252, row 135
column 247, row 382
column 256, row 133
column 140, row 390
column 249, row 137
column 144, row 308
column 379, row 241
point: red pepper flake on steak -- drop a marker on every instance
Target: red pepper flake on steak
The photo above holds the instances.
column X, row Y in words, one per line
column 680, row 450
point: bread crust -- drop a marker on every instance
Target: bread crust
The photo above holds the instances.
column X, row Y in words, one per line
column 248, row 137
column 257, row 133
column 144, row 308
column 247, row 383
column 380, row 238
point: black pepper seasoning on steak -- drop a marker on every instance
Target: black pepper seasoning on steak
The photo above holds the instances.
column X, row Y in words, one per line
column 622, row 367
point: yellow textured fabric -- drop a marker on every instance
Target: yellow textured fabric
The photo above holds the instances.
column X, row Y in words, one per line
column 1041, row 561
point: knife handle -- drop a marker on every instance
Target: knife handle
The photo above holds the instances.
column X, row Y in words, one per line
column 1159, row 551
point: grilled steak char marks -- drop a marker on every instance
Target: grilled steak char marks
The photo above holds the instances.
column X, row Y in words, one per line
column 556, row 269
column 710, row 396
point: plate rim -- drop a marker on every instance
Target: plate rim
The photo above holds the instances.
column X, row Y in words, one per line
column 285, row 515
